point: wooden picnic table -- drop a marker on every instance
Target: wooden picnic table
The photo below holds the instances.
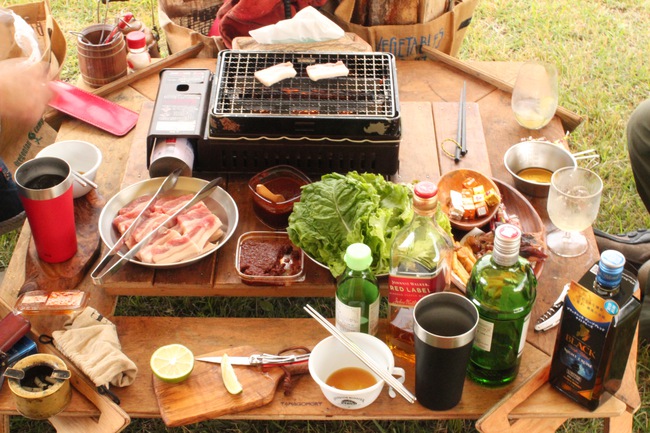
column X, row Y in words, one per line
column 428, row 93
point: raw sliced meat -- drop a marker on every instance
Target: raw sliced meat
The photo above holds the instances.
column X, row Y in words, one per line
column 194, row 232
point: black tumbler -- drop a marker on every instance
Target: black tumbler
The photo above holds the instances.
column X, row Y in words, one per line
column 444, row 326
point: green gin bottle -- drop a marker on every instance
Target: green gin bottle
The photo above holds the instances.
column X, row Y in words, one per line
column 502, row 285
column 357, row 293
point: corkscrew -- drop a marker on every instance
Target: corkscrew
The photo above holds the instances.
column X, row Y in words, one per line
column 552, row 316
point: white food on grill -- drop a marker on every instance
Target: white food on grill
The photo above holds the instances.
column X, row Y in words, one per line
column 194, row 232
column 327, row 70
column 275, row 73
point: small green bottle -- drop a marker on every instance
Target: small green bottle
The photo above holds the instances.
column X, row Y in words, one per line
column 357, row 293
column 502, row 285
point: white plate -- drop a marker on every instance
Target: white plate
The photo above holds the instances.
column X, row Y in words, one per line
column 219, row 202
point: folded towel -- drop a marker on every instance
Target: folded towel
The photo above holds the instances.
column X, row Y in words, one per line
column 90, row 341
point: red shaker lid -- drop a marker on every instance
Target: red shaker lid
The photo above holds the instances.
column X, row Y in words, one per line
column 135, row 40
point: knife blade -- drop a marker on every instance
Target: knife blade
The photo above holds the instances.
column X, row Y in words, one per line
column 551, row 317
column 263, row 359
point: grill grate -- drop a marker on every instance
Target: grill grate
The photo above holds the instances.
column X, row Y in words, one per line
column 368, row 91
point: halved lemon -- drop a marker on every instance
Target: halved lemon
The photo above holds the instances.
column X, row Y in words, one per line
column 172, row 363
column 229, row 376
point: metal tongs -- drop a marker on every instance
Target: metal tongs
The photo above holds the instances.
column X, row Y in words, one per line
column 552, row 316
column 167, row 184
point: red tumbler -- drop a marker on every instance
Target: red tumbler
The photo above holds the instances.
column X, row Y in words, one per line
column 45, row 190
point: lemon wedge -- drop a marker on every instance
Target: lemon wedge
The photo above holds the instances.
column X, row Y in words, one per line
column 172, row 363
column 229, row 376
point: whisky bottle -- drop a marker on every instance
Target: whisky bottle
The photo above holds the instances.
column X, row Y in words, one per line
column 420, row 263
column 596, row 332
column 357, row 293
column 502, row 285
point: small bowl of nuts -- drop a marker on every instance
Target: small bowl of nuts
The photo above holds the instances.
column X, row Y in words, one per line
column 469, row 198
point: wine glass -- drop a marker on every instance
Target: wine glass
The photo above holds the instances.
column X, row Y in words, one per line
column 535, row 95
column 573, row 201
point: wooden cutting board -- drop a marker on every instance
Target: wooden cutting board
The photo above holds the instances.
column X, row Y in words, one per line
column 203, row 395
column 40, row 275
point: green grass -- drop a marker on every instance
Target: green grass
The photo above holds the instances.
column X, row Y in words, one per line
column 601, row 50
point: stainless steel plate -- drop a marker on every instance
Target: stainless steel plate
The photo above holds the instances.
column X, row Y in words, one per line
column 219, row 202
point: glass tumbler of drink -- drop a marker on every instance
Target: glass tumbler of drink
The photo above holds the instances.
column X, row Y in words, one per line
column 573, row 202
column 535, row 95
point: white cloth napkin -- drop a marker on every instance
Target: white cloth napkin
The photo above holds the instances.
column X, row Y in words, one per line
column 90, row 341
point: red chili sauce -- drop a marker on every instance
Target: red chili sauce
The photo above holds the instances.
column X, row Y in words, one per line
column 269, row 258
column 276, row 215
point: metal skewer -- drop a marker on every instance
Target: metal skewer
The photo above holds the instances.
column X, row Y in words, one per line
column 463, row 136
column 461, row 147
column 363, row 356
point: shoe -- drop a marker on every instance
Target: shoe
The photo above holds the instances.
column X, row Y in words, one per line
column 12, row 214
column 635, row 245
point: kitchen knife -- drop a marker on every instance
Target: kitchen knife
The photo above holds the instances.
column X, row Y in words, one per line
column 264, row 359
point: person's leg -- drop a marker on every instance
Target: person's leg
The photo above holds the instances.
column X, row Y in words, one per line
column 12, row 215
column 635, row 245
column 638, row 144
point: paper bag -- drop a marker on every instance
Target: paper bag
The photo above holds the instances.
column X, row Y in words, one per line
column 51, row 40
column 444, row 33
column 19, row 143
column 185, row 23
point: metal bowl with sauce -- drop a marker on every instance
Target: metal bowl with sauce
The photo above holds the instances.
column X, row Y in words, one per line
column 529, row 161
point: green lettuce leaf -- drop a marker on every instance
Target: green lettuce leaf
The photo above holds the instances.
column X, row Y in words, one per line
column 340, row 210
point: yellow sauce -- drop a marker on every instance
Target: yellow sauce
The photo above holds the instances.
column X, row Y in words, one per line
column 351, row 379
column 534, row 174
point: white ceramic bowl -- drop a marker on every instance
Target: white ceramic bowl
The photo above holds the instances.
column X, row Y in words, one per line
column 330, row 355
column 83, row 157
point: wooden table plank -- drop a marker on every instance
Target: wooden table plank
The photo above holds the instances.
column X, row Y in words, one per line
column 203, row 335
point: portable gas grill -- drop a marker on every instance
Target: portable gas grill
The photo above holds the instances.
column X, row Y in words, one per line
column 338, row 124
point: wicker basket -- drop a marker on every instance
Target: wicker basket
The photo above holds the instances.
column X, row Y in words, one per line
column 187, row 22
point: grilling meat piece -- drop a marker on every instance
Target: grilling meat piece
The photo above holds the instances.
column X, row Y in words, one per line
column 327, row 70
column 194, row 232
column 275, row 73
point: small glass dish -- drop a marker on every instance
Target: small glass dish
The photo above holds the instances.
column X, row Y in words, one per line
column 274, row 191
column 269, row 258
column 51, row 303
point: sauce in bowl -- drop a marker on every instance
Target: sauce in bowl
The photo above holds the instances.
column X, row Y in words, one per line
column 535, row 174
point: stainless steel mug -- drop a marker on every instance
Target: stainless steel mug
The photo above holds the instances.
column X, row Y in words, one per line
column 45, row 190
column 444, row 327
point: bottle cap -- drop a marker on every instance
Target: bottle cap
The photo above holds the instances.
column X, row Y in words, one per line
column 610, row 269
column 507, row 239
column 358, row 257
column 136, row 40
column 425, row 189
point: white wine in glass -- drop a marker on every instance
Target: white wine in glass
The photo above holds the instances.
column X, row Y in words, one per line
column 573, row 202
column 535, row 95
